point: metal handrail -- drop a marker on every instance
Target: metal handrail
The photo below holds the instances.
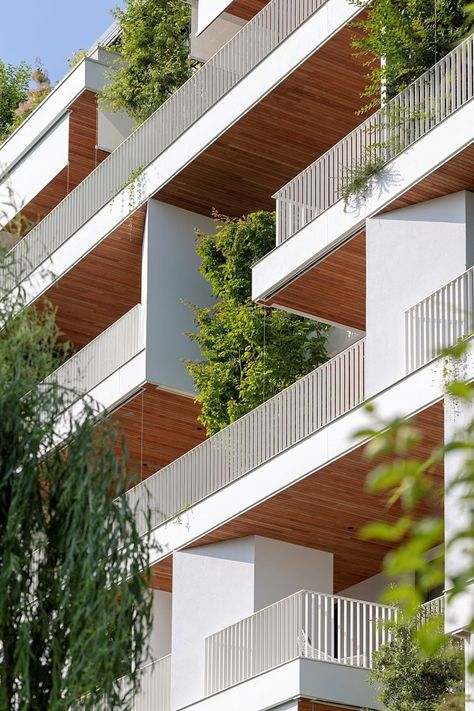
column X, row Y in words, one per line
column 309, row 625
column 298, row 411
column 439, row 321
column 438, row 93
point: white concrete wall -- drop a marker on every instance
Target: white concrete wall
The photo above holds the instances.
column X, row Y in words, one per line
column 213, row 587
column 28, row 177
column 282, row 569
column 221, row 583
column 206, row 42
column 112, row 128
column 460, row 611
column 160, row 638
column 411, row 252
column 208, row 11
column 368, row 590
column 170, row 278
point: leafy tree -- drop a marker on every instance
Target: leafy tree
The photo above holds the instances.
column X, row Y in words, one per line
column 409, row 680
column 249, row 353
column 74, row 602
column 411, row 35
column 154, row 48
column 14, row 83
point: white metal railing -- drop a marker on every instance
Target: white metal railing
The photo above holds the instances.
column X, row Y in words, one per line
column 311, row 625
column 439, row 321
column 103, row 356
column 154, row 694
column 296, row 412
column 433, row 608
column 255, row 41
column 439, row 92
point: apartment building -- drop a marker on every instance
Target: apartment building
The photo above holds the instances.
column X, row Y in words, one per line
column 264, row 595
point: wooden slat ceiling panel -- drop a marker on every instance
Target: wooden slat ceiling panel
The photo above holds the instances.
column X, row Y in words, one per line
column 333, row 289
column 159, row 427
column 82, row 158
column 457, row 174
column 307, row 705
column 103, row 286
column 325, row 511
column 246, row 9
column 297, row 122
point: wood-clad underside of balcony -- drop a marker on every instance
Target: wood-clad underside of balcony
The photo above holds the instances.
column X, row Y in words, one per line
column 451, row 177
column 285, row 132
column 333, row 289
column 159, row 426
column 307, row 705
column 246, row 9
column 325, row 510
column 83, row 158
column 102, row 286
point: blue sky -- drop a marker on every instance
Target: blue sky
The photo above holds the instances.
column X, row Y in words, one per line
column 51, row 30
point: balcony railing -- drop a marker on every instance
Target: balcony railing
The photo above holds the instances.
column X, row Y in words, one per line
column 440, row 321
column 439, row 92
column 301, row 409
column 306, row 625
column 103, row 356
column 154, row 694
column 255, row 41
column 433, row 608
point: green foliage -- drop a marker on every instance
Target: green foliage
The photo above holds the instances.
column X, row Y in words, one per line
column 24, row 102
column 250, row 353
column 358, row 180
column 409, row 680
column 77, row 57
column 411, row 35
column 154, row 48
column 74, row 601
column 14, row 83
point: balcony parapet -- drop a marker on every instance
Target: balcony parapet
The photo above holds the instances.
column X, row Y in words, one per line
column 298, row 411
column 430, row 99
column 440, row 321
column 252, row 44
column 102, row 357
column 309, row 625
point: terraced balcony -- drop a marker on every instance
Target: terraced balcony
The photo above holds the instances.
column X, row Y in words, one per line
column 256, row 41
column 298, row 411
column 428, row 101
column 307, row 625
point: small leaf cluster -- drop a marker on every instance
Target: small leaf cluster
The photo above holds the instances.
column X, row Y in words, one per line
column 249, row 352
column 154, row 61
column 410, row 680
column 411, row 36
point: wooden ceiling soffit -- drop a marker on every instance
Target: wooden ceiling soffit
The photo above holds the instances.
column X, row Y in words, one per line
column 333, row 289
column 325, row 510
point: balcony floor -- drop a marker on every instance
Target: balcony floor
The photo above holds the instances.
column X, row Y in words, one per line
column 306, row 513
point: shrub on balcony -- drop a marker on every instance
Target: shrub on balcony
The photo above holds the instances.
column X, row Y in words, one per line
column 249, row 352
column 14, row 82
column 17, row 98
column 411, row 36
column 409, row 680
column 154, row 48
